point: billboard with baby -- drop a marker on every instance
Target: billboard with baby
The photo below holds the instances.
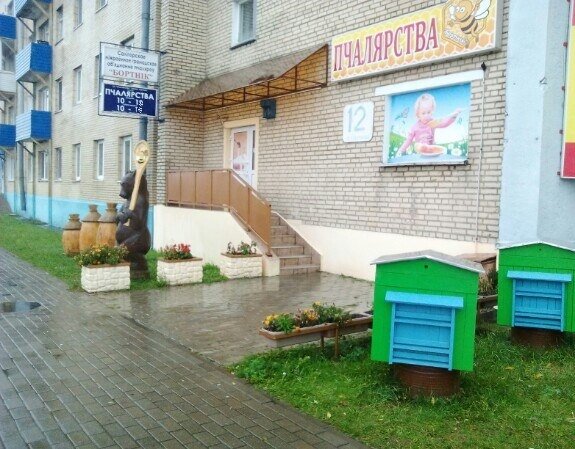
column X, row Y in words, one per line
column 428, row 126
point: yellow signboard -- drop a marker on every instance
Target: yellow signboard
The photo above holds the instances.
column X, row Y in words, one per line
column 454, row 29
column 568, row 163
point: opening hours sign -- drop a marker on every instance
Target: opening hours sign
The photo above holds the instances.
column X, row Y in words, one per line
column 128, row 101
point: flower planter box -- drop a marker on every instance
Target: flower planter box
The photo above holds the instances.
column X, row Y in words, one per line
column 105, row 278
column 359, row 323
column 249, row 266
column 182, row 271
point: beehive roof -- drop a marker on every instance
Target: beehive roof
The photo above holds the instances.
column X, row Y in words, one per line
column 432, row 255
column 569, row 246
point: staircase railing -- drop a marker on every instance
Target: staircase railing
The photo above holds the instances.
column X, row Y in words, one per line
column 221, row 189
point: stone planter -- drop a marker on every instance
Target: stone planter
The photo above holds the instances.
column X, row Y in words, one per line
column 359, row 323
column 249, row 266
column 178, row 272
column 105, row 278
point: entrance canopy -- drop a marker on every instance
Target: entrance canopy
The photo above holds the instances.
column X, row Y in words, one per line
column 296, row 72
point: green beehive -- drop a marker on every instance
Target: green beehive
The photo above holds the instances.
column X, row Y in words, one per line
column 536, row 287
column 424, row 310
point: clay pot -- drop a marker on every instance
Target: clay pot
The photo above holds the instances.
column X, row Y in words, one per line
column 71, row 235
column 107, row 230
column 89, row 228
column 536, row 338
column 427, row 381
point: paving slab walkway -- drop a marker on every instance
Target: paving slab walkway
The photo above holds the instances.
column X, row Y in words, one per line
column 77, row 372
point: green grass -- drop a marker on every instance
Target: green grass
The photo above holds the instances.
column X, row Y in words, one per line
column 42, row 247
column 515, row 398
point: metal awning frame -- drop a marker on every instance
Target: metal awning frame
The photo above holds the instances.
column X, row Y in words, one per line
column 253, row 92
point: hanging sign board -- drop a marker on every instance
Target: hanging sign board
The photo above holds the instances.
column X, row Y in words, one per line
column 128, row 101
column 129, row 64
column 568, row 159
column 450, row 30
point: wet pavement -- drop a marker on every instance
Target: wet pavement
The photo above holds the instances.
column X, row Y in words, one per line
column 79, row 372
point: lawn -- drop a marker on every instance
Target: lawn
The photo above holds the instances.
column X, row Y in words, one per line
column 515, row 398
column 42, row 247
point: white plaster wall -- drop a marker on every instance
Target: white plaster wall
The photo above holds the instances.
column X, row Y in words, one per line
column 535, row 201
column 350, row 252
column 208, row 232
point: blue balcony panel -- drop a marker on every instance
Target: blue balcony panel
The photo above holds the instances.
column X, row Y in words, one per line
column 7, row 27
column 7, row 136
column 34, row 125
column 31, row 9
column 32, row 61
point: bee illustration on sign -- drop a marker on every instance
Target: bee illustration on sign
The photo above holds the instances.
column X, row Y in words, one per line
column 469, row 17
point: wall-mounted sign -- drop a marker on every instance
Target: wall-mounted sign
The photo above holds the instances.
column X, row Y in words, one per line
column 568, row 162
column 129, row 64
column 358, row 122
column 128, row 101
column 428, row 126
column 453, row 29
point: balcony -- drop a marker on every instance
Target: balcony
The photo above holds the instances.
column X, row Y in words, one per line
column 34, row 125
column 33, row 61
column 7, row 136
column 31, row 9
column 7, row 83
column 7, row 27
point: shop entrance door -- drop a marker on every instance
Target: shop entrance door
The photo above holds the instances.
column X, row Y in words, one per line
column 243, row 152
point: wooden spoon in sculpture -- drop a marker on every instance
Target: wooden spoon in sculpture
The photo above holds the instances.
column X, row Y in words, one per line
column 142, row 153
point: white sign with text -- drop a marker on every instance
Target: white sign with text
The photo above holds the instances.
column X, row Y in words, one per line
column 129, row 64
column 358, row 122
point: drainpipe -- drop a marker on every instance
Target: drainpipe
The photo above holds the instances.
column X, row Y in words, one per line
column 21, row 181
column 145, row 43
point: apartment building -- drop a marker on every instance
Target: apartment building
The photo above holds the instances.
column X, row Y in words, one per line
column 60, row 154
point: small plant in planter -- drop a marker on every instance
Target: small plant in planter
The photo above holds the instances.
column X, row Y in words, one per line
column 242, row 261
column 104, row 268
column 177, row 265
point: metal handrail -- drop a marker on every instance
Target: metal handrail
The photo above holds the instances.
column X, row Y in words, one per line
column 222, row 189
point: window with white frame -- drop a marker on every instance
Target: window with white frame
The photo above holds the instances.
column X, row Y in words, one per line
column 99, row 150
column 78, row 85
column 60, row 23
column 77, row 13
column 58, row 164
column 100, row 4
column 127, row 156
column 244, row 21
column 42, row 165
column 10, row 162
column 77, row 161
column 97, row 87
column 44, row 32
column 59, row 94
column 43, row 99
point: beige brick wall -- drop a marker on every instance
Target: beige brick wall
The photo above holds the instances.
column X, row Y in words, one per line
column 305, row 169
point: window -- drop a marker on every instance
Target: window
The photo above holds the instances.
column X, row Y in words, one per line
column 59, row 23
column 44, row 32
column 127, row 159
column 100, row 4
column 10, row 168
column 77, row 13
column 59, row 94
column 42, row 165
column 58, row 164
column 244, row 21
column 97, row 87
column 44, row 99
column 129, row 42
column 77, row 162
column 99, row 150
column 78, row 85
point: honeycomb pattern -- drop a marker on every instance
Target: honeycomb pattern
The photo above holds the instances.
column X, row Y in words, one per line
column 452, row 41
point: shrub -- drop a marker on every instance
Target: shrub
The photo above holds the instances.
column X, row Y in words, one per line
column 243, row 249
column 102, row 255
column 488, row 283
column 178, row 251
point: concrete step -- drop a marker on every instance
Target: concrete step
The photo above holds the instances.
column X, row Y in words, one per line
column 275, row 220
column 298, row 269
column 287, row 261
column 288, row 250
column 283, row 239
column 279, row 230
